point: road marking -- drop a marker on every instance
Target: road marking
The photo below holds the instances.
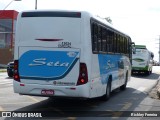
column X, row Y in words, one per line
column 33, row 99
column 91, row 105
column 67, row 118
column 5, row 79
column 71, row 118
column 117, row 114
column 108, row 113
column 120, row 112
column 5, row 82
column 17, row 103
column 139, row 90
column 126, row 106
column 57, row 110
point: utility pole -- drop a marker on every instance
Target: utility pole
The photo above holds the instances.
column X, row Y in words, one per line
column 36, row 5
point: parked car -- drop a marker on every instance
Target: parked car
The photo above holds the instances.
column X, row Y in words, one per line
column 10, row 69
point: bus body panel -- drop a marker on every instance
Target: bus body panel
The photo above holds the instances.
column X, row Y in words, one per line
column 115, row 66
column 48, row 65
column 59, row 91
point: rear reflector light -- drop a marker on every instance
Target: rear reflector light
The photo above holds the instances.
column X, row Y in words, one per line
column 22, row 84
column 83, row 74
column 73, row 88
column 16, row 72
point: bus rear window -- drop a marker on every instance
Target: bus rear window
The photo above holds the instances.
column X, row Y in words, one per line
column 51, row 14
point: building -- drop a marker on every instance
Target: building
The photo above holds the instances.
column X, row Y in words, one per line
column 7, row 31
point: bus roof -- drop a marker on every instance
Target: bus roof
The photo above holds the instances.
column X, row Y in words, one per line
column 85, row 13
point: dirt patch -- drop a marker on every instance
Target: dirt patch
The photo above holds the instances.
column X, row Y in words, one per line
column 155, row 92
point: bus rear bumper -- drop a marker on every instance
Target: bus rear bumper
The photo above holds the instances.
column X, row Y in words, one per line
column 81, row 91
column 140, row 68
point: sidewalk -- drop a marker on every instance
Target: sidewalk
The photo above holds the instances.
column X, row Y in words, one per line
column 158, row 89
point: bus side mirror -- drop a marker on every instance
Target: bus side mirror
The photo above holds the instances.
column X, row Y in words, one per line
column 133, row 48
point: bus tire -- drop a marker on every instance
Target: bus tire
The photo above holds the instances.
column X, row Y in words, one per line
column 107, row 95
column 123, row 87
column 147, row 72
column 132, row 72
column 10, row 75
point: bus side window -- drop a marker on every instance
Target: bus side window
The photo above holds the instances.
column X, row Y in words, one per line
column 107, row 41
column 94, row 34
column 118, row 44
column 110, row 37
column 95, row 43
column 115, row 43
column 121, row 44
column 104, row 40
column 99, row 38
column 125, row 45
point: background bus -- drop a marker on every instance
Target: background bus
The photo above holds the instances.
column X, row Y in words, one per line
column 69, row 54
column 142, row 60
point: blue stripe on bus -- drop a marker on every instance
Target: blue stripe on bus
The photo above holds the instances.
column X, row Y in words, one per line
column 43, row 65
column 109, row 65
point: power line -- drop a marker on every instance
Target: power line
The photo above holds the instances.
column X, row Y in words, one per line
column 7, row 5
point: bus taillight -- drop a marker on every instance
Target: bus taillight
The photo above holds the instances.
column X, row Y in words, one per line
column 83, row 74
column 16, row 73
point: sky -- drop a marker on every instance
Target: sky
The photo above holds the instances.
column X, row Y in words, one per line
column 140, row 19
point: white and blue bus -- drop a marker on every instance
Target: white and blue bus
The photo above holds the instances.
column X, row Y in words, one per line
column 69, row 54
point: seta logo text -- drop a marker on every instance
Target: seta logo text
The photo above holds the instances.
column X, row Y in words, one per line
column 110, row 65
column 43, row 61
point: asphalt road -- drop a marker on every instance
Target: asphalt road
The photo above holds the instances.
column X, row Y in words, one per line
column 135, row 98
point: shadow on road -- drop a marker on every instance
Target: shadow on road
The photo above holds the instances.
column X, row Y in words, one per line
column 153, row 76
column 88, row 109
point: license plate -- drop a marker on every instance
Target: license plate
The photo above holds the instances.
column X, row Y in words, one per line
column 47, row 92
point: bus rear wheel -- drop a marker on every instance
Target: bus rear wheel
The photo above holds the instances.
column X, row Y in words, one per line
column 108, row 92
column 123, row 87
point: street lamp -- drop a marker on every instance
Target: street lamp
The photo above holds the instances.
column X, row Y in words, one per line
column 10, row 3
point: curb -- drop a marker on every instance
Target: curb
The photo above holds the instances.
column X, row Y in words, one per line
column 158, row 88
column 158, row 92
column 155, row 90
